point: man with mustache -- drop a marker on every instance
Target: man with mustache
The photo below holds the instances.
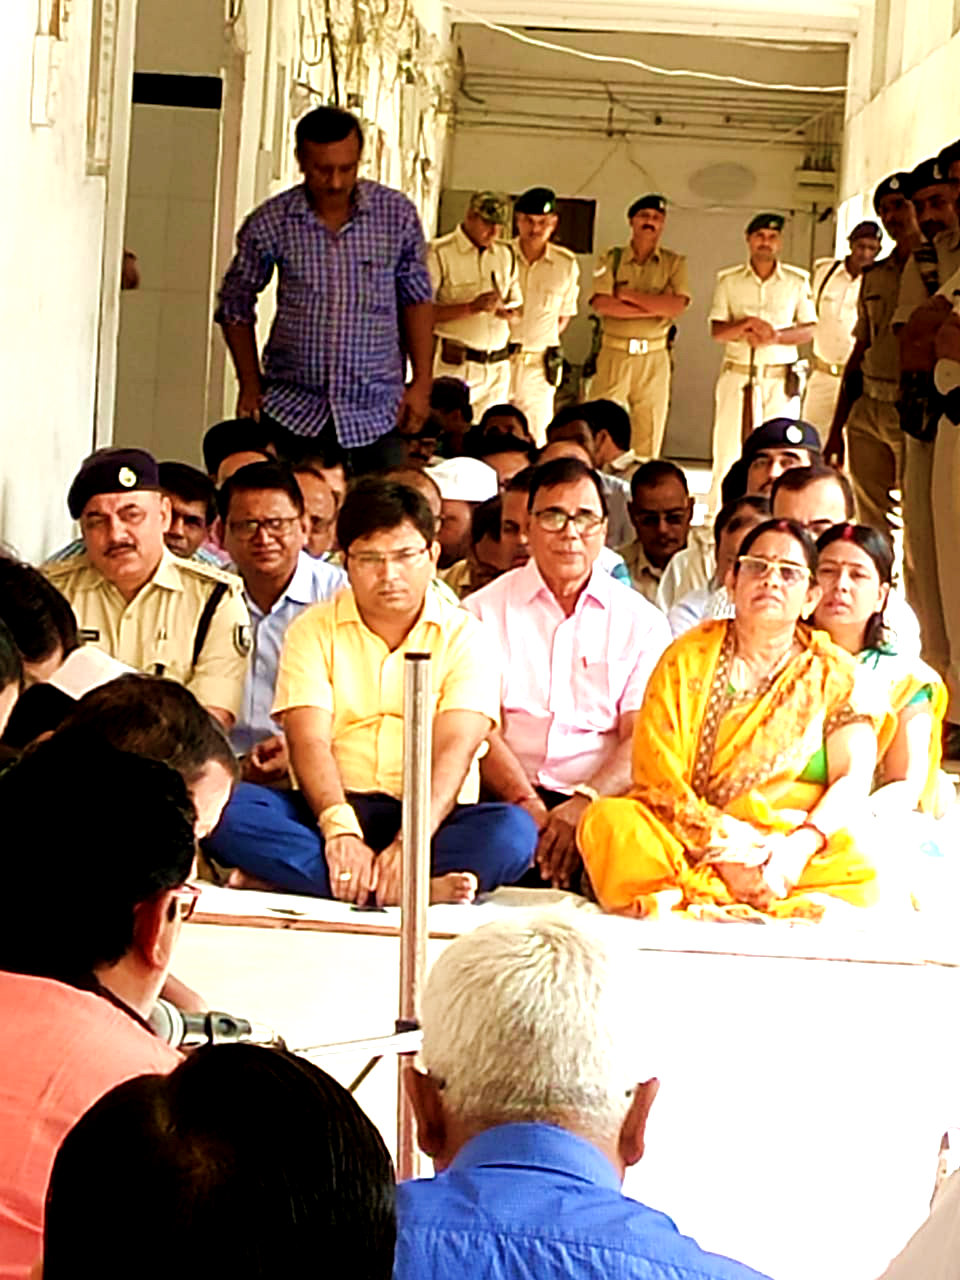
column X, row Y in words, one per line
column 761, row 311
column 137, row 601
column 638, row 292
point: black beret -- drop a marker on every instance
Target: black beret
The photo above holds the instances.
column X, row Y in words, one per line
column 765, row 222
column 949, row 155
column 865, row 231
column 894, row 185
column 781, row 433
column 653, row 200
column 536, row 200
column 929, row 173
column 112, row 471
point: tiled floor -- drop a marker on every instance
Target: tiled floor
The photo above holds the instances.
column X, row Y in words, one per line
column 802, row 1100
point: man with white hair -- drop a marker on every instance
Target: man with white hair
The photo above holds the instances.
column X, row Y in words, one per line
column 531, row 1114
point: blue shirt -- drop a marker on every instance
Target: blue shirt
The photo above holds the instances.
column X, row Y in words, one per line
column 334, row 350
column 312, row 580
column 531, row 1202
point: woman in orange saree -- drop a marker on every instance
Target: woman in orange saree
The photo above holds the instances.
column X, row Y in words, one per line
column 752, row 752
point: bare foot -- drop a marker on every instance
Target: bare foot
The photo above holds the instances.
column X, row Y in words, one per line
column 456, row 886
column 238, row 879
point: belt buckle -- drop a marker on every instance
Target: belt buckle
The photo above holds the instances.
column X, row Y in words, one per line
column 637, row 346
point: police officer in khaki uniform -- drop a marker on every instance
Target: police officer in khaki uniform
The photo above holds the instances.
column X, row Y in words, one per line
column 638, row 291
column 550, row 284
column 868, row 417
column 836, row 289
column 140, row 603
column 761, row 311
column 475, row 289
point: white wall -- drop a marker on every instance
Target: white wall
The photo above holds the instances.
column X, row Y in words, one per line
column 706, row 219
column 51, row 265
column 910, row 111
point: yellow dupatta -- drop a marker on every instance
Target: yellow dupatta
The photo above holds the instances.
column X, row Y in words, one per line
column 902, row 679
column 699, row 763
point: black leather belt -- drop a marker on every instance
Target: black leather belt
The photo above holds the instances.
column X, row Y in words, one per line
column 486, row 357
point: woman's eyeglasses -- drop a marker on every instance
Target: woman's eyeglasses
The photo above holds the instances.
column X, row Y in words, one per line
column 759, row 567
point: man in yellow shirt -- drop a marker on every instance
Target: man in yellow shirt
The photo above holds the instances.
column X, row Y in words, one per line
column 340, row 700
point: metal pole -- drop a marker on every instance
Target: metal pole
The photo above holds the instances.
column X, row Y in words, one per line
column 415, row 894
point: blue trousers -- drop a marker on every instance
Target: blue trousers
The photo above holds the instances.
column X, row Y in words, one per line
column 274, row 835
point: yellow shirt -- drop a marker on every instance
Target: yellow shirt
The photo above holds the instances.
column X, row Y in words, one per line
column 333, row 661
column 460, row 272
column 551, row 289
column 156, row 631
column 783, row 300
column 663, row 272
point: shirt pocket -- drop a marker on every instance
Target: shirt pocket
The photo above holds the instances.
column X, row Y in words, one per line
column 596, row 687
column 376, row 287
column 878, row 309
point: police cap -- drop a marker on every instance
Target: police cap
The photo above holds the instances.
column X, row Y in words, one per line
column 765, row 222
column 652, row 200
column 536, row 201
column 865, row 231
column 492, row 206
column 781, row 433
column 894, row 185
column 112, row 471
column 928, row 173
column 949, row 155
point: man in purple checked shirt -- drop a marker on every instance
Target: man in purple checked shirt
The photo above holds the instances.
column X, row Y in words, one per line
column 353, row 302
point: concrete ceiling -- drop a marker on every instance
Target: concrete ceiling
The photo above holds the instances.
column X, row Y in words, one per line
column 808, row 20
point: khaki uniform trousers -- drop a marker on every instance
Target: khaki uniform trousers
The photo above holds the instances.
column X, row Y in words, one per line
column 820, row 401
column 489, row 383
column 531, row 392
column 945, row 494
column 875, row 462
column 923, row 582
column 641, row 383
column 769, row 401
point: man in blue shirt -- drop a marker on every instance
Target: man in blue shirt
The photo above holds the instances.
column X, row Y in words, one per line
column 265, row 533
column 353, row 299
column 528, row 1110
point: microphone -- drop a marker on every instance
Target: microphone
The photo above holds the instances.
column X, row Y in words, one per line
column 191, row 1030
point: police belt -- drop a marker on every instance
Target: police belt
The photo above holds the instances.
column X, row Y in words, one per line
column 453, row 351
column 759, row 370
column 526, row 356
column 822, row 366
column 634, row 346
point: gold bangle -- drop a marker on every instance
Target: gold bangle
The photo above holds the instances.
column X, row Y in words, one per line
column 339, row 820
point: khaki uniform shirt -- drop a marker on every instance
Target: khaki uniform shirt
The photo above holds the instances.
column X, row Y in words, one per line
column 644, row 576
column 155, row 632
column 460, row 272
column 879, row 295
column 835, row 294
column 663, row 272
column 551, row 289
column 913, row 291
column 946, row 374
column 783, row 300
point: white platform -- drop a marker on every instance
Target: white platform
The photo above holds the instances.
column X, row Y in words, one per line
column 807, row 1072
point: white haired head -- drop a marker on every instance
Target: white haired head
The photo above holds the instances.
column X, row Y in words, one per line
column 525, row 1021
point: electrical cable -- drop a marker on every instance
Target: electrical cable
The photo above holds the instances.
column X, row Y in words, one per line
column 643, row 66
column 335, row 75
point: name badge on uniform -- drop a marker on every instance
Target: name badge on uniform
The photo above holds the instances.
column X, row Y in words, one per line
column 243, row 638
column 89, row 635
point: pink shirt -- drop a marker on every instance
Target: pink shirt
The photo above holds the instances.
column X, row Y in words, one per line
column 61, row 1050
column 566, row 682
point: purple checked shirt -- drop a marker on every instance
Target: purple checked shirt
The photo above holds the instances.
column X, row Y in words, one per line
column 334, row 349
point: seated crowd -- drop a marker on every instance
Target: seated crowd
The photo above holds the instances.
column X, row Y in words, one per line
column 711, row 719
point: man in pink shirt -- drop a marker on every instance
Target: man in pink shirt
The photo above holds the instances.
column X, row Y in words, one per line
column 576, row 649
column 99, row 846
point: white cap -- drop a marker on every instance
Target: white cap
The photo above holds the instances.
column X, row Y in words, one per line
column 465, row 480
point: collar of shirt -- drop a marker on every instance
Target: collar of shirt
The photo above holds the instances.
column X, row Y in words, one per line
column 465, row 245
column 548, row 255
column 166, row 575
column 431, row 612
column 359, row 203
column 637, row 562
column 530, row 584
column 299, row 590
column 631, row 255
column 538, row 1146
column 776, row 274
